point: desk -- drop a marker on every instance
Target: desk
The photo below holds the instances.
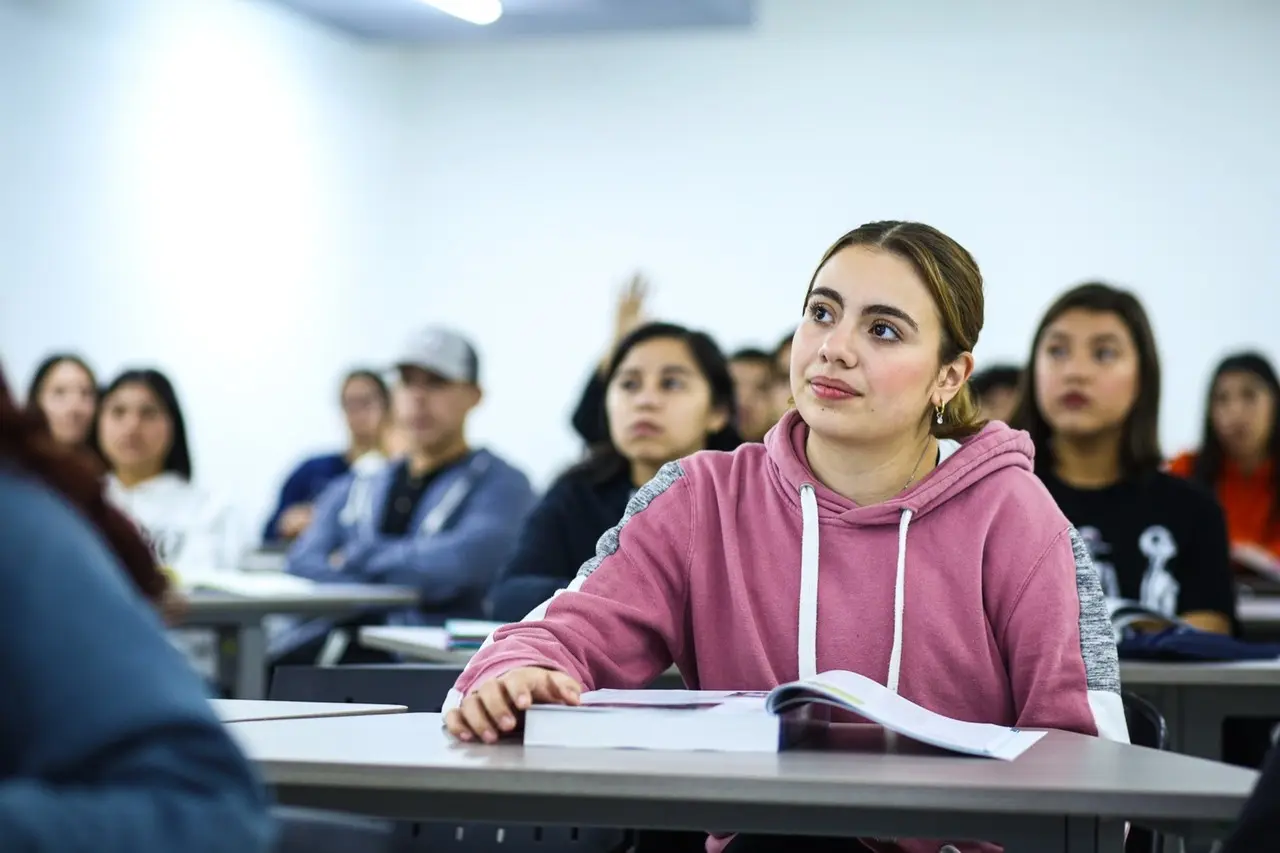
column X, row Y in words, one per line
column 1067, row 794
column 431, row 645
column 257, row 710
column 1195, row 698
column 242, row 642
column 1259, row 615
column 426, row 644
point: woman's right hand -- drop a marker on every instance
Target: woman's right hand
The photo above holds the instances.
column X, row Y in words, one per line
column 490, row 710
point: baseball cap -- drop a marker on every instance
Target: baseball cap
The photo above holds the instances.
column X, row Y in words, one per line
column 442, row 352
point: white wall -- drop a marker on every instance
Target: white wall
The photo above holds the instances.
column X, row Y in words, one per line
column 1135, row 144
column 255, row 203
column 210, row 186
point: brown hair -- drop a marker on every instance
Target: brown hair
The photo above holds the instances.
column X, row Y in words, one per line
column 1140, row 439
column 25, row 443
column 955, row 282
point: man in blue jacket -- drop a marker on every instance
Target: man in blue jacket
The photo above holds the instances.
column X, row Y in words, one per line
column 442, row 519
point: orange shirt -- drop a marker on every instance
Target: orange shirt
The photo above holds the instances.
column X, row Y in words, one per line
column 1247, row 500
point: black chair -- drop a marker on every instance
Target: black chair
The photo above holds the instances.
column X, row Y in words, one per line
column 1146, row 728
column 422, row 688
column 312, row 831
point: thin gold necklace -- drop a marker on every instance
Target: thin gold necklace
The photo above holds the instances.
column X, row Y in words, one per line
column 923, row 451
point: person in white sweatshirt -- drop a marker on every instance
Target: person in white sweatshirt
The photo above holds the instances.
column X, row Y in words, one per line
column 141, row 434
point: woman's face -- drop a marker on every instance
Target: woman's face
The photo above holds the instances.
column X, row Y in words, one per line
column 134, row 430
column 365, row 409
column 1086, row 372
column 659, row 403
column 864, row 362
column 67, row 398
column 1243, row 411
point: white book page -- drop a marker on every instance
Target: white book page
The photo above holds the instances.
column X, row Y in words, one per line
column 665, row 698
column 879, row 704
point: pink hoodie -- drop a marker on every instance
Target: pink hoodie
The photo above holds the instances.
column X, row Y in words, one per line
column 969, row 593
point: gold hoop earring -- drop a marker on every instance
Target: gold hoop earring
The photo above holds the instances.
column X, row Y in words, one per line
column 937, row 414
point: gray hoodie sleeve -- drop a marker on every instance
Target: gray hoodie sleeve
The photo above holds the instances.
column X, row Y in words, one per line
column 107, row 741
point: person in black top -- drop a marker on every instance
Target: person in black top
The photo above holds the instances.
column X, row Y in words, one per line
column 1091, row 405
column 1258, row 828
column 629, row 314
column 668, row 395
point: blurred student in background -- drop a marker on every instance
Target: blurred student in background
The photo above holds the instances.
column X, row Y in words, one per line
column 142, row 435
column 1239, row 456
column 782, row 377
column 65, row 392
column 107, row 740
column 442, row 520
column 752, row 371
column 365, row 401
column 1091, row 406
column 669, row 395
column 629, row 314
column 879, row 495
column 996, row 390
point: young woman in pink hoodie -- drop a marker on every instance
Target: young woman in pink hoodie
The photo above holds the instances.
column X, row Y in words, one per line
column 880, row 528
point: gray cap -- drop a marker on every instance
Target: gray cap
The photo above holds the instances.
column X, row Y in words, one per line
column 442, row 352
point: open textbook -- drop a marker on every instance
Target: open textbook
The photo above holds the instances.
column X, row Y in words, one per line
column 744, row 721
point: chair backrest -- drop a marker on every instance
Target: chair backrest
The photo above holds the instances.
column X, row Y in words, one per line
column 1146, row 724
column 422, row 688
column 1146, row 728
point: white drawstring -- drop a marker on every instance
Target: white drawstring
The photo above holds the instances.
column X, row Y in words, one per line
column 899, row 602
column 807, row 641
column 808, row 636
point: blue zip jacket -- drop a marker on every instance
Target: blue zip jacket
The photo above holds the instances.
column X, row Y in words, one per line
column 107, row 740
column 463, row 531
column 306, row 483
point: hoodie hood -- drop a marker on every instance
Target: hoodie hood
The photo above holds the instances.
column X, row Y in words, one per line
column 994, row 448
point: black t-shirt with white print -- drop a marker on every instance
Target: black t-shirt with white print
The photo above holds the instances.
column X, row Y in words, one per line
column 1155, row 539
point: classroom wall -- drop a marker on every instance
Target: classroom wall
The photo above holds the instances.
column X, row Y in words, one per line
column 256, row 203
column 1058, row 141
column 211, row 186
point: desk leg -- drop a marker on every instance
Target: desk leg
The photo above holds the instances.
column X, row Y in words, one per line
column 251, row 662
column 1094, row 835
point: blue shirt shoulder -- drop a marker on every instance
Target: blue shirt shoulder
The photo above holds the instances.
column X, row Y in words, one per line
column 107, row 740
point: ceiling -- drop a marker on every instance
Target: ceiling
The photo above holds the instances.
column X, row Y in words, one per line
column 415, row 21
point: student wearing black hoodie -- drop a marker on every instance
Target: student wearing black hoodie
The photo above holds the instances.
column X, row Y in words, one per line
column 668, row 395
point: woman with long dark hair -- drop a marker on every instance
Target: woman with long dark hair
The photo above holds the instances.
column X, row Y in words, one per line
column 1239, row 455
column 142, row 436
column 64, row 392
column 1091, row 403
column 668, row 394
column 137, row 761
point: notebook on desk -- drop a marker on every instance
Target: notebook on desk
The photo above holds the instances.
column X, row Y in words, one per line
column 744, row 721
column 469, row 633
